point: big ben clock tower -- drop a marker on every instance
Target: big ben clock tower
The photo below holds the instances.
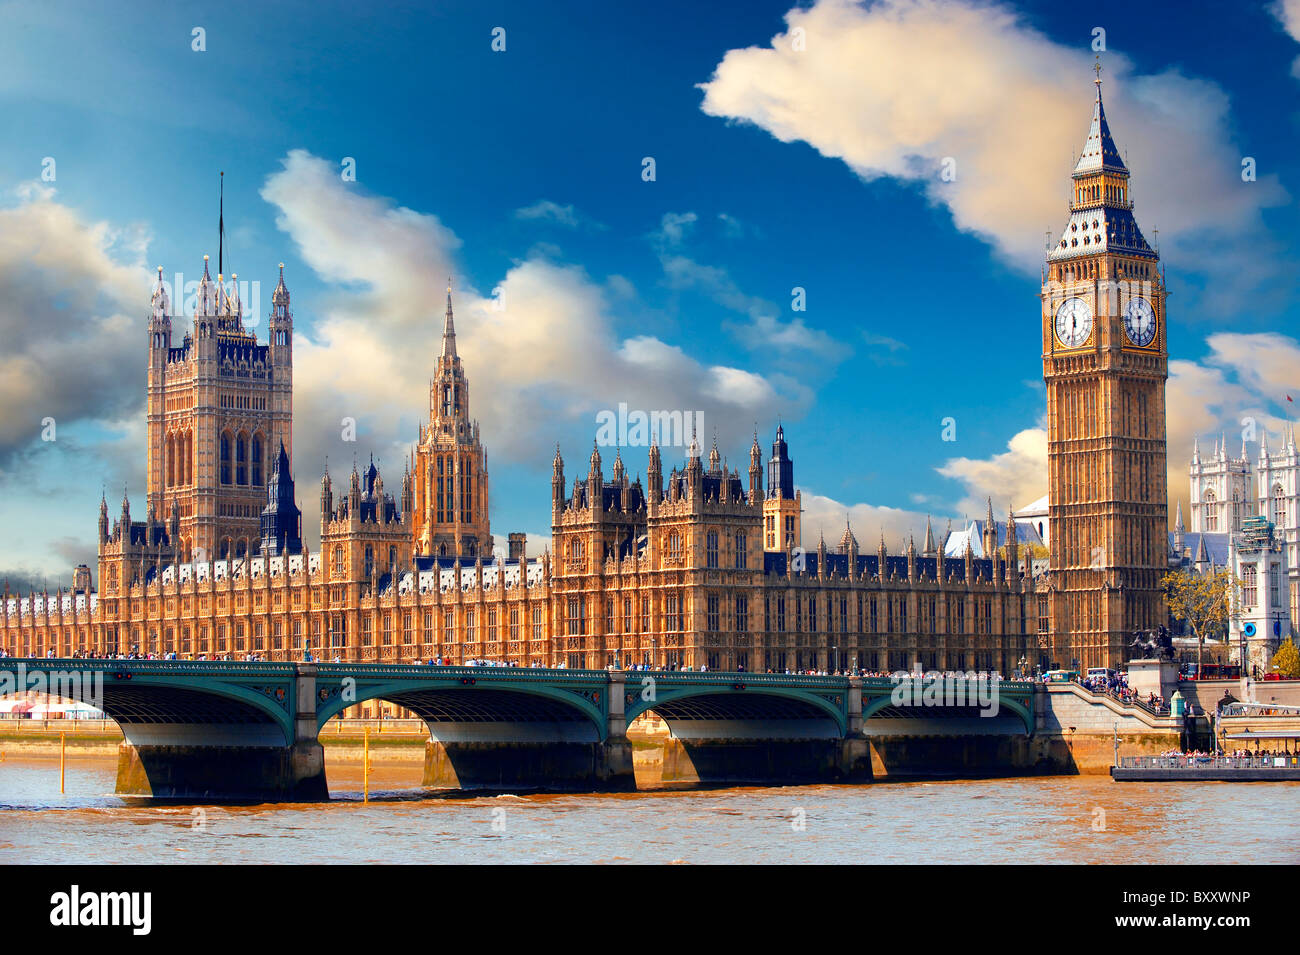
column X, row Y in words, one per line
column 1105, row 362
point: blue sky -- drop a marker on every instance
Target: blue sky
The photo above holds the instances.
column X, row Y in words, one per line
column 521, row 170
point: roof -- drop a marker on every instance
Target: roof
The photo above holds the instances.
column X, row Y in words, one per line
column 955, row 545
column 1099, row 149
column 1216, row 546
column 1033, row 509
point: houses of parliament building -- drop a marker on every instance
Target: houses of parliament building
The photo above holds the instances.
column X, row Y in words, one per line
column 697, row 567
column 700, row 566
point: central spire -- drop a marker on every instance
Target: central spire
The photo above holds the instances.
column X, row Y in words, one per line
column 1099, row 149
column 449, row 328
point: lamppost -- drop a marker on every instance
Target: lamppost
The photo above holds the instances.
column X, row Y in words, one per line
column 1022, row 665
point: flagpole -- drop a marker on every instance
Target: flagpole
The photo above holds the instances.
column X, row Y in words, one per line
column 221, row 225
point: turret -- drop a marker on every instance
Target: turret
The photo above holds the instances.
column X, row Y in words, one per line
column 326, row 497
column 557, row 482
column 160, row 322
column 594, row 478
column 103, row 519
column 281, row 324
column 655, row 474
column 755, row 471
column 990, row 532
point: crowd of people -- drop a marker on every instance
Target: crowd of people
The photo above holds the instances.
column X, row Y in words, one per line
column 1116, row 685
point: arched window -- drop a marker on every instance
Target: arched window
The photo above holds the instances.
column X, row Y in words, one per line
column 225, row 460
column 711, row 549
column 338, row 561
column 241, row 459
column 370, row 560
column 257, row 460
column 1210, row 505
column 741, row 551
column 1278, row 512
column 241, row 548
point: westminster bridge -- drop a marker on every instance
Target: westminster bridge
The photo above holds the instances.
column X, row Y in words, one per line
column 224, row 730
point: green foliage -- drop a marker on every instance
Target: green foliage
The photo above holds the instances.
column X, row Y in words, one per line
column 1287, row 661
column 1201, row 601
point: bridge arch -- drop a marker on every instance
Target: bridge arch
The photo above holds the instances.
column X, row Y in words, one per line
column 152, row 702
column 473, row 709
column 750, row 709
column 877, row 705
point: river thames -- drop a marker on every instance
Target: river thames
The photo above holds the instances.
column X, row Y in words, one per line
column 1062, row 819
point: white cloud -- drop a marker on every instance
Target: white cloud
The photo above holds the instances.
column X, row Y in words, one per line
column 71, row 319
column 1012, row 478
column 545, row 210
column 549, row 354
column 1244, row 376
column 825, row 515
column 896, row 88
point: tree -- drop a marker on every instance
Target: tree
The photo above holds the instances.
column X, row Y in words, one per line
column 1200, row 601
column 1287, row 661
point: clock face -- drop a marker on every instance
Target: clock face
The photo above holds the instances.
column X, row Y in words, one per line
column 1139, row 322
column 1073, row 322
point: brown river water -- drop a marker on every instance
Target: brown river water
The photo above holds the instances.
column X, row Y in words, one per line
column 1063, row 819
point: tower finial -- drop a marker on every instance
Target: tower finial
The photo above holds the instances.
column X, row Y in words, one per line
column 449, row 328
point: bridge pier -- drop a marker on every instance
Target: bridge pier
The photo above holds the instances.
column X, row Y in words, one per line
column 764, row 762
column 514, row 765
column 222, row 773
column 233, row 762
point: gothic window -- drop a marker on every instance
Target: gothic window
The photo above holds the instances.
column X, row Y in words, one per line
column 577, row 619
column 627, row 614
column 674, row 546
column 241, row 459
column 392, row 558
column 338, row 561
column 742, row 557
column 742, row 614
column 257, row 460
column 1236, row 511
column 241, row 547
column 1249, row 587
column 537, row 623
column 370, row 561
column 1209, row 504
column 672, row 613
column 714, row 621
column 225, row 458
column 711, row 550
column 1278, row 512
